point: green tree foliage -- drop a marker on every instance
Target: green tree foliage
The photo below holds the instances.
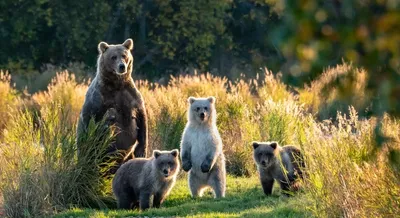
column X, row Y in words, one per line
column 174, row 34
column 316, row 34
column 169, row 35
column 229, row 37
column 39, row 32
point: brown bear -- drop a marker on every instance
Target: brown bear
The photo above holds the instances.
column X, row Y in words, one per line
column 284, row 164
column 137, row 180
column 113, row 90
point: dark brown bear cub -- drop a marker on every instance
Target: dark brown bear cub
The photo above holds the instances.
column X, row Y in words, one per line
column 139, row 179
column 284, row 164
column 113, row 90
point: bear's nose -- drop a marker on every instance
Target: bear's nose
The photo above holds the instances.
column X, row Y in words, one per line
column 165, row 171
column 202, row 115
column 263, row 162
column 122, row 67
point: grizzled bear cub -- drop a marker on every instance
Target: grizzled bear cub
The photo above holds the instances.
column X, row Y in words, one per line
column 139, row 179
column 284, row 164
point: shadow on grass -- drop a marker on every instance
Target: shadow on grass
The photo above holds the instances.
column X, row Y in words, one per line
column 246, row 203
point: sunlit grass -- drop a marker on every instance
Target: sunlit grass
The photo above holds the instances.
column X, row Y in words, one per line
column 346, row 174
column 244, row 198
column 9, row 98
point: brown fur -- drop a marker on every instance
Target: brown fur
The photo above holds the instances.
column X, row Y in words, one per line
column 274, row 162
column 139, row 179
column 113, row 88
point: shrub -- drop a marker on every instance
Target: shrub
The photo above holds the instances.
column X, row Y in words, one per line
column 40, row 173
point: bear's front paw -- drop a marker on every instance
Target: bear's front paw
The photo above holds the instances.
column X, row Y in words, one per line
column 205, row 167
column 186, row 166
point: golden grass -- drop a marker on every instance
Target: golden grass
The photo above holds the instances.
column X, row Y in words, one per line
column 64, row 91
column 336, row 89
column 9, row 98
column 344, row 178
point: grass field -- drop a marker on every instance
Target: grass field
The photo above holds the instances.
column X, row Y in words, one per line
column 244, row 198
column 349, row 175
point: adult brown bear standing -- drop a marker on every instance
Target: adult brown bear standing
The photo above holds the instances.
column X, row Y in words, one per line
column 113, row 89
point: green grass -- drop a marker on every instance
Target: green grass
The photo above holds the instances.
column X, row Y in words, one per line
column 244, row 198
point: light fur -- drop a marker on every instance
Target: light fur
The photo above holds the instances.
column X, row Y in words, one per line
column 201, row 149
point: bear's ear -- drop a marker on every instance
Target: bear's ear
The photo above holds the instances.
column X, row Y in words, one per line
column 128, row 44
column 156, row 153
column 274, row 145
column 191, row 99
column 255, row 145
column 211, row 99
column 175, row 152
column 102, row 47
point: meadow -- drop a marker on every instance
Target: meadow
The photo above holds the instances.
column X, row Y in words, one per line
column 348, row 175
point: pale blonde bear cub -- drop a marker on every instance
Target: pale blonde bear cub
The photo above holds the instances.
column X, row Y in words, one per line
column 201, row 149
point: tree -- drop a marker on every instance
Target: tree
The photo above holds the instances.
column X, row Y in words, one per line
column 317, row 33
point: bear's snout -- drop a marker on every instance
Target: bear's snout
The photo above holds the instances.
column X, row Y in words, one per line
column 121, row 67
column 166, row 173
column 202, row 115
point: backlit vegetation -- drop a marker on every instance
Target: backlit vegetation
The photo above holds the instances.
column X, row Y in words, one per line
column 346, row 175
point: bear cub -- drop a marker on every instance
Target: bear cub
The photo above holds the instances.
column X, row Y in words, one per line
column 284, row 164
column 137, row 180
column 201, row 148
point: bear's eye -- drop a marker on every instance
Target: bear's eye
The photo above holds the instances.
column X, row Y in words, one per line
column 205, row 108
column 114, row 58
column 123, row 56
column 198, row 108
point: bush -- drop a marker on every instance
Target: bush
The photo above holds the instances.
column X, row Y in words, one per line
column 40, row 173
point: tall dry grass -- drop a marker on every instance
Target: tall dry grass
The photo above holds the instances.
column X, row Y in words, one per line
column 65, row 91
column 336, row 89
column 343, row 177
column 9, row 98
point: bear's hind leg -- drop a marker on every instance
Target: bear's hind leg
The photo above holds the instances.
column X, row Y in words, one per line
column 217, row 181
column 195, row 185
